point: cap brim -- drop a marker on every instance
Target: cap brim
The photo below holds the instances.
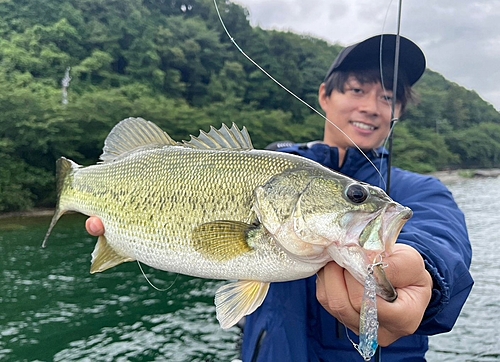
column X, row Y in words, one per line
column 380, row 50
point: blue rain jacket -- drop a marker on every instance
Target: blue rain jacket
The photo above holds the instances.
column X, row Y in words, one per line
column 292, row 326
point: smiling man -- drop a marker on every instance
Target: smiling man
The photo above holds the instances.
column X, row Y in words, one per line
column 356, row 95
column 304, row 320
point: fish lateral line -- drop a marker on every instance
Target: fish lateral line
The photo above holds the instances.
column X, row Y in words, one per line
column 277, row 177
column 133, row 134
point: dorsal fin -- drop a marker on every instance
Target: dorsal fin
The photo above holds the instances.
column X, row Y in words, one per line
column 223, row 138
column 131, row 134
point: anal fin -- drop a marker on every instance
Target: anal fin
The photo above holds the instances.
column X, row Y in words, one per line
column 104, row 257
column 235, row 300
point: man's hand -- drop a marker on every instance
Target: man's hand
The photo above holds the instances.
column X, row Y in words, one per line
column 341, row 295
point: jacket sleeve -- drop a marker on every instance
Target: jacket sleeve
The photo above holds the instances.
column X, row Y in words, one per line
column 438, row 231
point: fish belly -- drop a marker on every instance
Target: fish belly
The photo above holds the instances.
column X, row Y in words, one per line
column 151, row 201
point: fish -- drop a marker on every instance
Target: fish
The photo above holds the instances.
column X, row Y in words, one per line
column 215, row 207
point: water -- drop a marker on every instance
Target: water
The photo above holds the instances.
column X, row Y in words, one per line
column 476, row 335
column 52, row 309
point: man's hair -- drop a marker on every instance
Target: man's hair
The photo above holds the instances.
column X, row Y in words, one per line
column 404, row 93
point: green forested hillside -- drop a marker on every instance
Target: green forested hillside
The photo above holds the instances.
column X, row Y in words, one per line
column 171, row 62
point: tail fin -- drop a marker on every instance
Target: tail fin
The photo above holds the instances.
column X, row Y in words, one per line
column 64, row 168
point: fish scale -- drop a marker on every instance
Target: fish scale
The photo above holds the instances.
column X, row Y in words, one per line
column 216, row 208
column 209, row 191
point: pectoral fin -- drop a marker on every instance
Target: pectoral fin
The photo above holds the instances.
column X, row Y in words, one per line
column 222, row 240
column 104, row 257
column 235, row 300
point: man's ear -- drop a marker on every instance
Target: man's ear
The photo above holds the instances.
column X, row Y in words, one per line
column 322, row 96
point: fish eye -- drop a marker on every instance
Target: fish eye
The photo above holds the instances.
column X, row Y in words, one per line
column 357, row 193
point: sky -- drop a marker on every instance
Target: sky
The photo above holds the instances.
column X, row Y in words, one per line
column 460, row 38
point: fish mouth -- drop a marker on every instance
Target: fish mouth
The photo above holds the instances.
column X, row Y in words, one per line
column 394, row 217
column 372, row 243
column 379, row 231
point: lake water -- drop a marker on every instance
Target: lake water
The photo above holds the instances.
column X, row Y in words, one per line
column 476, row 336
column 52, row 309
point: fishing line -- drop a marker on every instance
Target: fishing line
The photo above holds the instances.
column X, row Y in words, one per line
column 384, row 89
column 289, row 91
column 389, row 139
column 394, row 90
column 394, row 119
column 150, row 283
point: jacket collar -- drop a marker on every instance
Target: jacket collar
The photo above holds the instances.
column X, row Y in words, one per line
column 354, row 159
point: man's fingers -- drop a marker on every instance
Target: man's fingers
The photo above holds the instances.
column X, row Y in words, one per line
column 333, row 293
column 404, row 256
column 94, row 226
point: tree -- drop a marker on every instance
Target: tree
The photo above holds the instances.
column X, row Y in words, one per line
column 172, row 62
column 478, row 146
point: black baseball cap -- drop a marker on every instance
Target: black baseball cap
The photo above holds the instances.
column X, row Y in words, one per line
column 366, row 54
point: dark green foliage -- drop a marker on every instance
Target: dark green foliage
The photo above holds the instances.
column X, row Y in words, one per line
column 478, row 146
column 171, row 62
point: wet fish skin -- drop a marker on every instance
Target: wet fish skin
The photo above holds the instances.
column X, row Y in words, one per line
column 214, row 207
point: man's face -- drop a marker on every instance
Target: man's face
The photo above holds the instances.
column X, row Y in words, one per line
column 363, row 112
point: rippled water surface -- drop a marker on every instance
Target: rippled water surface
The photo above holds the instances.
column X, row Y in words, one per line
column 476, row 336
column 52, row 309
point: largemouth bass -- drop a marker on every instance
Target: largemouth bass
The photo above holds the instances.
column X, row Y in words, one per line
column 217, row 208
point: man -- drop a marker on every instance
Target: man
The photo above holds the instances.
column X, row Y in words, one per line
column 304, row 320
